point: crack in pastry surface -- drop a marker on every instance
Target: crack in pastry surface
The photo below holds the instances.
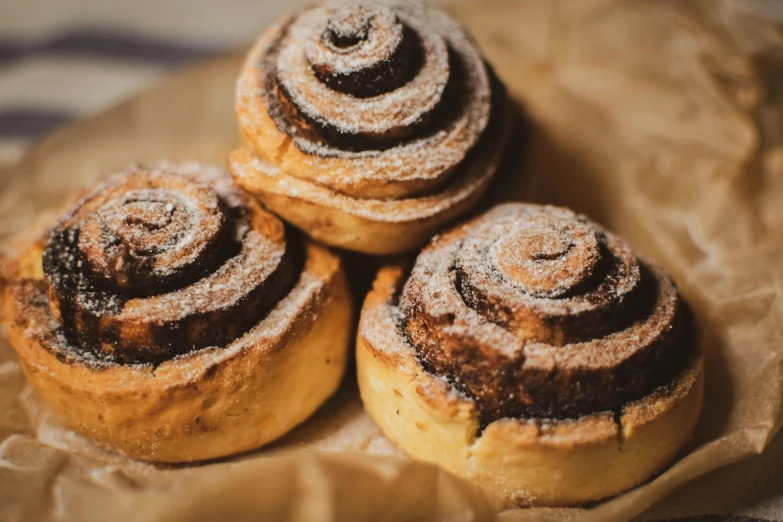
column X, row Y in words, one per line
column 526, row 349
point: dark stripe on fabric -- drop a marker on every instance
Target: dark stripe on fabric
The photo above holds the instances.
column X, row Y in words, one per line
column 30, row 123
column 7, row 52
column 105, row 44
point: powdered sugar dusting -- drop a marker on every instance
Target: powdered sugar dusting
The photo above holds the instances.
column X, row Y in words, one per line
column 167, row 220
column 511, row 349
column 532, row 281
column 226, row 287
column 367, row 34
column 387, row 112
column 425, row 135
column 292, row 314
column 473, row 177
column 241, row 268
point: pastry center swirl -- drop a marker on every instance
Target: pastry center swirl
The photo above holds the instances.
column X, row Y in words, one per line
column 153, row 236
column 161, row 262
column 360, row 71
column 349, row 26
column 364, row 51
column 547, row 257
column 537, row 312
column 346, row 77
column 142, row 214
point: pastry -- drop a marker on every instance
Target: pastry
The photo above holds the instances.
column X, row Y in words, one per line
column 532, row 352
column 368, row 125
column 169, row 317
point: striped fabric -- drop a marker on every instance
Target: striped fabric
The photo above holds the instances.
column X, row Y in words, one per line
column 46, row 83
column 61, row 60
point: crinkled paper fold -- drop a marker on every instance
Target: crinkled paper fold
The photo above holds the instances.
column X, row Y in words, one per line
column 661, row 120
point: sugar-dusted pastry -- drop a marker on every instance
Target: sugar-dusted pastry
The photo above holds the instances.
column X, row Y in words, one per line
column 368, row 125
column 533, row 353
column 169, row 317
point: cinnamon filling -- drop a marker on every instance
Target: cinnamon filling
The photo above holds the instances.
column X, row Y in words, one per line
column 365, row 52
column 537, row 313
column 158, row 263
column 347, row 79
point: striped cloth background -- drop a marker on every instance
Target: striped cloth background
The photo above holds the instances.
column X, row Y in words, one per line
column 64, row 59
column 61, row 60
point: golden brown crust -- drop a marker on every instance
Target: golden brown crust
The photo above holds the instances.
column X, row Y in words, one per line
column 365, row 225
column 340, row 165
column 565, row 462
column 200, row 405
column 580, row 453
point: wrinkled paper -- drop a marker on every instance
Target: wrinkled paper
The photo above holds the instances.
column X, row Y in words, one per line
column 661, row 120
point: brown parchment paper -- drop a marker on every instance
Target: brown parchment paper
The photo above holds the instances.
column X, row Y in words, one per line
column 661, row 120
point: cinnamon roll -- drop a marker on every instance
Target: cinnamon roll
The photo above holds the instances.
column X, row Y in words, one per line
column 368, row 125
column 533, row 353
column 171, row 318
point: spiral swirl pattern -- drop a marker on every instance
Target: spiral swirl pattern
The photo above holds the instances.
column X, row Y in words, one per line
column 159, row 262
column 538, row 313
column 399, row 90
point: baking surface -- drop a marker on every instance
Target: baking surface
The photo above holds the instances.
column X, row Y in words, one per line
column 661, row 121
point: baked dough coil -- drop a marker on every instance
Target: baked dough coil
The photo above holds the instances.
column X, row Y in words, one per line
column 170, row 317
column 533, row 352
column 368, row 125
